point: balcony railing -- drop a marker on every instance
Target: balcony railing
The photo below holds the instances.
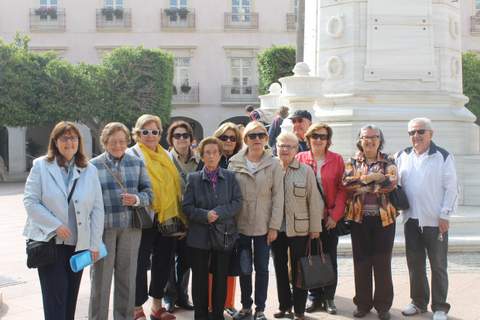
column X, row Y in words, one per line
column 241, row 21
column 178, row 19
column 475, row 23
column 186, row 95
column 239, row 93
column 47, row 19
column 291, row 22
column 114, row 19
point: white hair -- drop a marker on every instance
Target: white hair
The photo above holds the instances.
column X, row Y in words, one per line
column 427, row 123
column 286, row 135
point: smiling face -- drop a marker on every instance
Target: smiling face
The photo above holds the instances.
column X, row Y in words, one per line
column 148, row 137
column 181, row 139
column 286, row 150
column 256, row 139
column 67, row 144
column 370, row 141
column 228, row 144
column 117, row 144
column 420, row 137
column 319, row 140
column 300, row 127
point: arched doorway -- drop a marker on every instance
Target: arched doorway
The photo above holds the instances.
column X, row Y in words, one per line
column 4, row 148
column 196, row 126
column 36, row 139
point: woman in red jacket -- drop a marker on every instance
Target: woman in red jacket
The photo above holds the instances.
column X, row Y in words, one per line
column 328, row 167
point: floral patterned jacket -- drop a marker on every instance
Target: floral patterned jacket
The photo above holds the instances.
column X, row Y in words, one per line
column 355, row 168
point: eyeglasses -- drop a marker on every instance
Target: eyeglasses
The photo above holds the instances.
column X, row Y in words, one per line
column 295, row 120
column 420, row 132
column 179, row 136
column 286, row 146
column 321, row 136
column 369, row 137
column 65, row 139
column 259, row 135
column 225, row 138
column 153, row 132
column 117, row 142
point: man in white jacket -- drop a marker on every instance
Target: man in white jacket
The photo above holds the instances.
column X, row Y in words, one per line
column 427, row 174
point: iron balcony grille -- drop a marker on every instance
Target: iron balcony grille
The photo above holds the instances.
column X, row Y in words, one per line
column 246, row 21
column 240, row 93
column 114, row 19
column 186, row 94
column 45, row 19
column 178, row 19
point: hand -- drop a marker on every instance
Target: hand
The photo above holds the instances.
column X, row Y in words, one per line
column 95, row 255
column 330, row 224
column 443, row 225
column 128, row 199
column 212, row 216
column 272, row 236
column 377, row 177
column 314, row 235
column 366, row 178
column 63, row 232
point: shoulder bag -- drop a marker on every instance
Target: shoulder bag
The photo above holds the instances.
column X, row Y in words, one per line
column 222, row 236
column 398, row 197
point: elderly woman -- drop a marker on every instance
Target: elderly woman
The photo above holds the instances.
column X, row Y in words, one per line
column 261, row 182
column 179, row 137
column 302, row 221
column 213, row 197
column 63, row 200
column 125, row 185
column 368, row 178
column 166, row 204
column 328, row 167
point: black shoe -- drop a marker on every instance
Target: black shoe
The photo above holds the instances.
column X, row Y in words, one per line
column 384, row 315
column 186, row 305
column 360, row 313
column 283, row 314
column 313, row 305
column 330, row 307
column 170, row 307
column 230, row 311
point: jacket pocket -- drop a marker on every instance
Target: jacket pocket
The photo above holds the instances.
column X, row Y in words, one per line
column 299, row 190
column 301, row 222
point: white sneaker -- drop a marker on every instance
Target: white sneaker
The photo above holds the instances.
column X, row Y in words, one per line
column 439, row 315
column 411, row 310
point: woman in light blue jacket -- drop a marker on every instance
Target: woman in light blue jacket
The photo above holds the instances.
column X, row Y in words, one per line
column 76, row 224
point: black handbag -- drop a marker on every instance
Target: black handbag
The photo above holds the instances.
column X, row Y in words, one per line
column 398, row 199
column 314, row 271
column 223, row 236
column 141, row 219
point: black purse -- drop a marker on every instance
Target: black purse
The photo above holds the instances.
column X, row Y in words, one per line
column 398, row 198
column 314, row 271
column 44, row 253
column 141, row 219
column 223, row 236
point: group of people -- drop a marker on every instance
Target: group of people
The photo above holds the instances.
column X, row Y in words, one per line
column 233, row 181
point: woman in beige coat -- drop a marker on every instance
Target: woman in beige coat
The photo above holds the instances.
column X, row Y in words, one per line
column 260, row 177
column 303, row 212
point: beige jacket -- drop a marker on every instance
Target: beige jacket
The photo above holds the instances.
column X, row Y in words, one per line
column 262, row 191
column 303, row 202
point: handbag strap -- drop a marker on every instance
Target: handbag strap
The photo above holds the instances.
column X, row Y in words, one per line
column 308, row 250
column 72, row 190
column 319, row 187
column 115, row 177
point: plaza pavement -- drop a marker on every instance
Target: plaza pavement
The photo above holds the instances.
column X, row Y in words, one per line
column 21, row 294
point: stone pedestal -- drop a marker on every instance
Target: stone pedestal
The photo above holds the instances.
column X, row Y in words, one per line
column 271, row 102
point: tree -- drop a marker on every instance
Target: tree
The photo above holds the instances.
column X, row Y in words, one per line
column 274, row 63
column 471, row 82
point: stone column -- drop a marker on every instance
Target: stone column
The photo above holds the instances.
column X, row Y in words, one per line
column 271, row 102
column 87, row 138
column 17, row 153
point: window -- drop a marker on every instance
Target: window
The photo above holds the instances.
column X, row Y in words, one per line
column 113, row 3
column 181, row 75
column 241, row 75
column 295, row 7
column 48, row 3
column 241, row 10
column 178, row 4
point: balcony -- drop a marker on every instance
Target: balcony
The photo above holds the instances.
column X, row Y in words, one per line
column 186, row 95
column 174, row 19
column 241, row 21
column 240, row 94
column 291, row 22
column 475, row 23
column 114, row 19
column 47, row 19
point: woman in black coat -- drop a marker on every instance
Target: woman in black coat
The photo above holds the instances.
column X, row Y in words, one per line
column 212, row 197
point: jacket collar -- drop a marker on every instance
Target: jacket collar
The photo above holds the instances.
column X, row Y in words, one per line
column 295, row 164
column 54, row 169
column 220, row 174
column 239, row 161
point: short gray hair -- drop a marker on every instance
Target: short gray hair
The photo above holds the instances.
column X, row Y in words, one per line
column 287, row 135
column 373, row 127
column 427, row 123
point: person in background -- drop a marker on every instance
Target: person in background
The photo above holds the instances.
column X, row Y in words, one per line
column 302, row 221
column 63, row 200
column 248, row 109
column 328, row 167
column 260, row 177
column 179, row 137
column 212, row 196
column 166, row 203
column 120, row 237
column 301, row 120
column 368, row 179
column 428, row 175
column 276, row 128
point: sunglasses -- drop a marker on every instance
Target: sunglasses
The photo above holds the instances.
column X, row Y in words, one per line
column 225, row 138
column 259, row 135
column 420, row 132
column 153, row 132
column 321, row 136
column 179, row 136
